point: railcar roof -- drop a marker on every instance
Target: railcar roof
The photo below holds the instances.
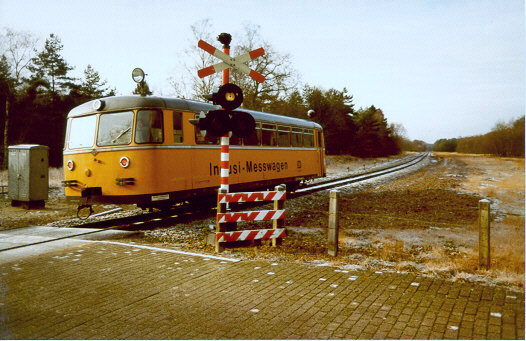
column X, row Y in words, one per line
column 119, row 103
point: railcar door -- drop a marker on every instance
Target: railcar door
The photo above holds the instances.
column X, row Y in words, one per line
column 321, row 152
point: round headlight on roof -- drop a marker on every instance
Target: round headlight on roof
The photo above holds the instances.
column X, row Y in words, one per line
column 138, row 75
column 98, row 104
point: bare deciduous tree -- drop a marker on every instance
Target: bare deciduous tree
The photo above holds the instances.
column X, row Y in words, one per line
column 16, row 49
column 186, row 83
column 19, row 48
column 281, row 77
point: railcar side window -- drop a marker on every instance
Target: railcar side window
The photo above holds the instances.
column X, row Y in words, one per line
column 284, row 136
column 268, row 135
column 82, row 132
column 297, row 137
column 308, row 138
column 234, row 140
column 253, row 140
column 149, row 126
column 178, row 127
column 115, row 129
column 207, row 139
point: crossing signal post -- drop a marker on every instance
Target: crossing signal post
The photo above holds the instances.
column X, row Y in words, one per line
column 220, row 123
column 238, row 121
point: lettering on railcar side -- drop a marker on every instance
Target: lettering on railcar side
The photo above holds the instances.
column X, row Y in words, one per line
column 250, row 167
column 266, row 166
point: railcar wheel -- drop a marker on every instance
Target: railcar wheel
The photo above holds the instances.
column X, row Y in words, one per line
column 84, row 212
column 293, row 186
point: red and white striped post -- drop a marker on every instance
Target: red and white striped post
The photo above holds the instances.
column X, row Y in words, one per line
column 225, row 39
column 225, row 162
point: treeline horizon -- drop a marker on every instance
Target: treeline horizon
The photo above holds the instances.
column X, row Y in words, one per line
column 36, row 94
column 504, row 140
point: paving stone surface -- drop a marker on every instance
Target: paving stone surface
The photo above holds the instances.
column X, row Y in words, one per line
column 109, row 290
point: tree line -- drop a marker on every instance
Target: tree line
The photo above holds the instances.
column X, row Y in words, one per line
column 505, row 139
column 362, row 132
column 37, row 92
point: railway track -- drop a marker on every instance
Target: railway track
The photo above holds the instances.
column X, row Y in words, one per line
column 345, row 181
column 206, row 209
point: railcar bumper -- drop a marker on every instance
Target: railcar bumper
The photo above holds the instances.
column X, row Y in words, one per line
column 89, row 195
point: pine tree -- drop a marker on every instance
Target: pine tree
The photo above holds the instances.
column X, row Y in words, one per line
column 51, row 67
column 93, row 87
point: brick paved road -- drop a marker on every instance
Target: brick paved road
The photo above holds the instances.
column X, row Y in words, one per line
column 103, row 290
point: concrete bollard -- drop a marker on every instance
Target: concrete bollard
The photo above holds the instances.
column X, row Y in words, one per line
column 484, row 234
column 334, row 224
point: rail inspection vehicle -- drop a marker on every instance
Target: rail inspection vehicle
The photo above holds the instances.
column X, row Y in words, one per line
column 143, row 150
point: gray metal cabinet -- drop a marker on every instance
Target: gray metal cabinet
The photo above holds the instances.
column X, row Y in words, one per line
column 28, row 173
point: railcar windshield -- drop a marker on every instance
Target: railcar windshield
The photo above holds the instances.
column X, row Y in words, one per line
column 115, row 129
column 82, row 132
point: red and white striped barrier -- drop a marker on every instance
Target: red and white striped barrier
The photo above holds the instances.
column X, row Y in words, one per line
column 225, row 162
column 250, row 216
column 251, row 196
column 235, row 236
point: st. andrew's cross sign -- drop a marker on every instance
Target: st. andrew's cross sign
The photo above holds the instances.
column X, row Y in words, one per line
column 231, row 62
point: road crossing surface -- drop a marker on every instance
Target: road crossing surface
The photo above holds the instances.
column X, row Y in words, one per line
column 103, row 288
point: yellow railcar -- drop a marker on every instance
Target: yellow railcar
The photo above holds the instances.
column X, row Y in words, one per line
column 144, row 151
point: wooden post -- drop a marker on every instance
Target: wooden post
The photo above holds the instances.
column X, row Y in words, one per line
column 484, row 234
column 334, row 223
column 278, row 205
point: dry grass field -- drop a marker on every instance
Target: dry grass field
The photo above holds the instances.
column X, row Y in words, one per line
column 426, row 221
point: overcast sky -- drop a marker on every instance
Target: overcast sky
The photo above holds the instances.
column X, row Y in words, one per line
column 442, row 69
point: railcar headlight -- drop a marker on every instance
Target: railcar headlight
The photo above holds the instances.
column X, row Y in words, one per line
column 70, row 164
column 98, row 104
column 124, row 162
column 138, row 75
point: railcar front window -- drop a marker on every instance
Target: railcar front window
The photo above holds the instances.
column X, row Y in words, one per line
column 149, row 127
column 115, row 129
column 82, row 132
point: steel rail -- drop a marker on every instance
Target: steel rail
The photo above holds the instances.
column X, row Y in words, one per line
column 342, row 182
